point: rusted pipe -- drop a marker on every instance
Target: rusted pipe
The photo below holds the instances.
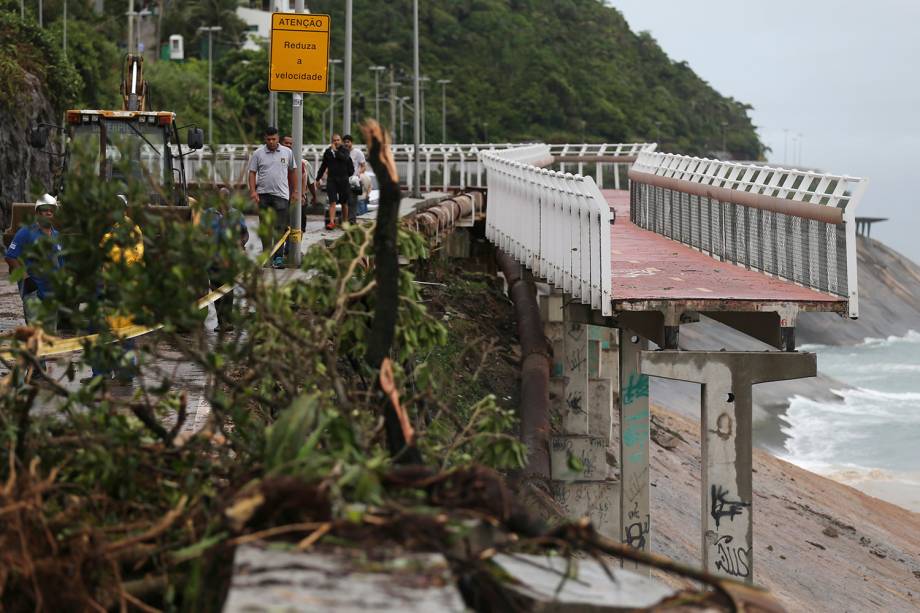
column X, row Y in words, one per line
column 535, row 366
column 806, row 210
column 445, row 214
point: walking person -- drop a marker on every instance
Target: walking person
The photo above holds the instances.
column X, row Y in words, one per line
column 337, row 161
column 271, row 183
column 360, row 165
column 227, row 225
column 34, row 288
column 306, row 184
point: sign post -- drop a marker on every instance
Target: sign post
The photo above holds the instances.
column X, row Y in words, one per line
column 299, row 63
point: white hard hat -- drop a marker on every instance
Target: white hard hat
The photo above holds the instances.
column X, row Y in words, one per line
column 123, row 199
column 46, row 200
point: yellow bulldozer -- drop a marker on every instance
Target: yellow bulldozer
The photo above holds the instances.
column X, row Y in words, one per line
column 146, row 137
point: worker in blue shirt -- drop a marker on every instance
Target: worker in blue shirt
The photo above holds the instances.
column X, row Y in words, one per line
column 35, row 288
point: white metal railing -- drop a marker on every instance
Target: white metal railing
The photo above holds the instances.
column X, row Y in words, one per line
column 605, row 160
column 441, row 165
column 554, row 223
column 612, row 150
column 794, row 224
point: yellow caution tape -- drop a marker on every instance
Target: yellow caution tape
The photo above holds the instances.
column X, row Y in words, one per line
column 52, row 346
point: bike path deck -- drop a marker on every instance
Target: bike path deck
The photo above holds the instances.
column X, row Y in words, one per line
column 649, row 269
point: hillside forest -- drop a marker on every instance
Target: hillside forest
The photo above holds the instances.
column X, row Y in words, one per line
column 520, row 70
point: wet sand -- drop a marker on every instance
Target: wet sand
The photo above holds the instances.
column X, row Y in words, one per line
column 819, row 545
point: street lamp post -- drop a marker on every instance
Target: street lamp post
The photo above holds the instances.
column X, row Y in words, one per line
column 416, row 169
column 332, row 64
column 443, row 83
column 346, row 114
column 210, row 30
column 423, row 80
column 377, row 70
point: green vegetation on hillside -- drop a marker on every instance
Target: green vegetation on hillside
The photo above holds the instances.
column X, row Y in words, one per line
column 551, row 70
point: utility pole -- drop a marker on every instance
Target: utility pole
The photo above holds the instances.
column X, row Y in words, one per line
column 402, row 118
column 416, row 168
column 346, row 114
column 393, row 101
column 332, row 64
column 41, row 22
column 443, row 83
column 377, row 70
column 64, row 44
column 294, row 238
column 210, row 30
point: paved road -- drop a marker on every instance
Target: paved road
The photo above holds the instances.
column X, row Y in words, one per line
column 169, row 362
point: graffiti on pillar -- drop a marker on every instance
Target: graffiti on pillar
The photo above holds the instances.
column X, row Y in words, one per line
column 733, row 559
column 635, row 435
column 636, row 387
column 636, row 532
column 721, row 506
column 577, row 357
column 573, row 400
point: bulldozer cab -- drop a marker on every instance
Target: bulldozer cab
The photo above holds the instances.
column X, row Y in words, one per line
column 132, row 147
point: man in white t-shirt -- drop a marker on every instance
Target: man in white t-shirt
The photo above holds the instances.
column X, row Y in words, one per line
column 360, row 162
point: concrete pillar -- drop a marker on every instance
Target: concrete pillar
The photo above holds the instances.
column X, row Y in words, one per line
column 727, row 378
column 576, row 345
column 635, row 519
column 580, row 398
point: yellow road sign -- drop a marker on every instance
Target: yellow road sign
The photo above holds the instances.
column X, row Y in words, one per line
column 300, row 53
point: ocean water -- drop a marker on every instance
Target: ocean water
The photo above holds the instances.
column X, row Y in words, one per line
column 870, row 439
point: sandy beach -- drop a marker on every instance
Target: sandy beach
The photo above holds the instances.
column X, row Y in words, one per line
column 819, row 545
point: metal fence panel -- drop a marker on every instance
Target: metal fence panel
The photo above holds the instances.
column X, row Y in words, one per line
column 799, row 245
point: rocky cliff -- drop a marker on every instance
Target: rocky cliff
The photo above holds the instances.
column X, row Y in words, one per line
column 889, row 301
column 36, row 83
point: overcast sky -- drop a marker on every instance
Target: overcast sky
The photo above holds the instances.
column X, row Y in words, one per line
column 844, row 74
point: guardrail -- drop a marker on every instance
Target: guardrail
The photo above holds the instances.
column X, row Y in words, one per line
column 614, row 158
column 796, row 225
column 442, row 165
column 554, row 223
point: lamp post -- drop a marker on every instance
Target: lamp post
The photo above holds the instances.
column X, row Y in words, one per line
column 332, row 64
column 346, row 113
column 377, row 70
column 210, row 30
column 423, row 80
column 443, row 83
column 64, row 42
column 416, row 170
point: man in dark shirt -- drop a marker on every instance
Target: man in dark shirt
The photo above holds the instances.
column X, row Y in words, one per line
column 337, row 161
